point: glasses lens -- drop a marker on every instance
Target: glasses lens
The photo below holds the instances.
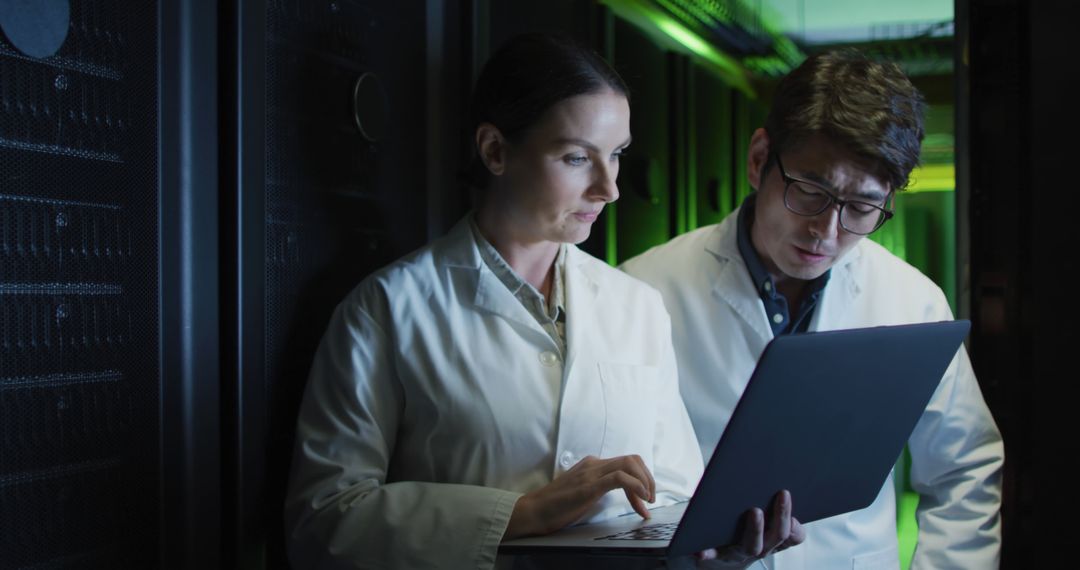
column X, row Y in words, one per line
column 805, row 199
column 860, row 217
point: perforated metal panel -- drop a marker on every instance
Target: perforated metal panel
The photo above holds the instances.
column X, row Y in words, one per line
column 344, row 179
column 78, row 294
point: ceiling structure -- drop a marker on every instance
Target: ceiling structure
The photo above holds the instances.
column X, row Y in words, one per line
column 816, row 22
column 747, row 39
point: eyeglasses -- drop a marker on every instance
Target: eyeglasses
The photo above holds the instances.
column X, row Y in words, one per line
column 807, row 198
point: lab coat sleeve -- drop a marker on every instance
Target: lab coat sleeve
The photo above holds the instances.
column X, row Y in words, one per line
column 341, row 512
column 678, row 466
column 957, row 456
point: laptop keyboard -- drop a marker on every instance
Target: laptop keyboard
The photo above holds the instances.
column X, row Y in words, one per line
column 659, row 531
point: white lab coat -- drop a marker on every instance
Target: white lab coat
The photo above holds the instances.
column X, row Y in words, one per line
column 720, row 328
column 435, row 400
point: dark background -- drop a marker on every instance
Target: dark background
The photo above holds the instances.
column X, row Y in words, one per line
column 187, row 189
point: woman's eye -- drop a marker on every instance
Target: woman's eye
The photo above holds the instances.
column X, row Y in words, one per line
column 576, row 159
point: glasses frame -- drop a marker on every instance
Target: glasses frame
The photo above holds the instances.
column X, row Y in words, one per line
column 886, row 213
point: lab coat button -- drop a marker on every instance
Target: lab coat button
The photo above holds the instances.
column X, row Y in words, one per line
column 548, row 358
column 567, row 460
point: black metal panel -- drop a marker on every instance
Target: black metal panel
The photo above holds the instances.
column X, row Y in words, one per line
column 243, row 406
column 715, row 138
column 643, row 212
column 79, row 384
column 345, row 183
column 190, row 426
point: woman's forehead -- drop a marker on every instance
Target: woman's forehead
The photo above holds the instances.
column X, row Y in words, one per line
column 594, row 117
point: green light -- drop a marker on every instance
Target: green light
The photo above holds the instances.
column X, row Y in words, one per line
column 611, row 236
column 907, row 528
column 701, row 48
column 684, row 37
column 653, row 21
column 933, row 178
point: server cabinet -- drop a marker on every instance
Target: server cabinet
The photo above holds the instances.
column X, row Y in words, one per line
column 714, row 136
column 324, row 179
column 79, row 285
column 643, row 213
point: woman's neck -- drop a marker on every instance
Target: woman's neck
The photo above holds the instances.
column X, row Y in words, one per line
column 533, row 260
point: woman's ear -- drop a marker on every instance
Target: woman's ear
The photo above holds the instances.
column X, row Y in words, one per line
column 491, row 148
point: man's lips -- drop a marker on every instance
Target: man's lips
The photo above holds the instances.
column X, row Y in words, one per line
column 811, row 253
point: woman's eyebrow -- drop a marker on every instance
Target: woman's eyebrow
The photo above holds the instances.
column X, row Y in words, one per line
column 588, row 145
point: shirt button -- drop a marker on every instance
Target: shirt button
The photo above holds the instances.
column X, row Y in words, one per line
column 548, row 358
column 778, row 318
column 566, row 460
column 768, row 286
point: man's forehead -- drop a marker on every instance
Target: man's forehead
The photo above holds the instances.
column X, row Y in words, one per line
column 836, row 169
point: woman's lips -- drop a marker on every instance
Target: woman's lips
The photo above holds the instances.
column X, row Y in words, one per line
column 586, row 216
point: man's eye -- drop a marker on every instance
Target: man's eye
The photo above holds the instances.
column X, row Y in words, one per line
column 809, row 191
column 862, row 208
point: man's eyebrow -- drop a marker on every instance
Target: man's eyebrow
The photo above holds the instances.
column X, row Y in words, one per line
column 865, row 195
column 871, row 195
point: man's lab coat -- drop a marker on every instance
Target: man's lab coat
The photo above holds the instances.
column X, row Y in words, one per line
column 720, row 329
column 436, row 400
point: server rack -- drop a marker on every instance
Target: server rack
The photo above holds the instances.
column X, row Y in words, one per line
column 79, row 286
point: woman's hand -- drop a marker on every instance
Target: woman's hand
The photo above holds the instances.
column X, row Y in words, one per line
column 757, row 541
column 566, row 499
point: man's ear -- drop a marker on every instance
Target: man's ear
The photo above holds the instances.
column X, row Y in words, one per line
column 757, row 156
column 491, row 147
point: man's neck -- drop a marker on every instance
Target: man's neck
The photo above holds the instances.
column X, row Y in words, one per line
column 794, row 290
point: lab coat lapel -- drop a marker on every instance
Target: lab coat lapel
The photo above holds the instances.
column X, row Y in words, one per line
column 581, row 310
column 581, row 429
column 493, row 297
column 462, row 257
column 839, row 296
column 731, row 283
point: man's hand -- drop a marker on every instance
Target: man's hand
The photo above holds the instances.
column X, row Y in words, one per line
column 566, row 499
column 758, row 541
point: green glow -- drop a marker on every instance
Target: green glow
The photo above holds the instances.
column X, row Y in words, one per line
column 610, row 236
column 694, row 43
column 744, row 14
column 907, row 529
column 685, row 37
column 655, row 22
column 933, row 178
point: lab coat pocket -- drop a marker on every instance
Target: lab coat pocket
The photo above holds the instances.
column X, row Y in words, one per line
column 629, row 395
column 888, row 559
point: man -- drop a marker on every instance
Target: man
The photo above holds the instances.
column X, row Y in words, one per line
column 840, row 141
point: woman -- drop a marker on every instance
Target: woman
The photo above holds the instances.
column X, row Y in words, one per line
column 498, row 382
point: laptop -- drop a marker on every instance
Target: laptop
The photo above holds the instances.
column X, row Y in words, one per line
column 848, row 399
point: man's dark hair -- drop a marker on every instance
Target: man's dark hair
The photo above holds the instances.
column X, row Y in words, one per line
column 527, row 76
column 868, row 107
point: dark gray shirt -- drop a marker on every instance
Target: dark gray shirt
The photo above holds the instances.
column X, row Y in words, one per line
column 776, row 305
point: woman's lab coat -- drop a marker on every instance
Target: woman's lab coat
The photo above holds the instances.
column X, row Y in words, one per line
column 436, row 400
column 720, row 329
